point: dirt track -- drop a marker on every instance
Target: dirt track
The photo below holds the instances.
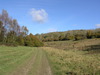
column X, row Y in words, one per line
column 36, row 65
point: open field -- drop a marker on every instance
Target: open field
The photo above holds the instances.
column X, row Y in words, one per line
column 49, row 61
column 23, row 61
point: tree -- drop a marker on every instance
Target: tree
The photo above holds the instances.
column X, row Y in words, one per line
column 11, row 33
column 14, row 26
column 11, row 37
column 24, row 31
column 20, row 40
column 1, row 31
column 32, row 41
column 90, row 34
column 97, row 33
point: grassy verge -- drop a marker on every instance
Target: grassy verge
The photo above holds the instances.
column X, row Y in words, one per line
column 73, row 62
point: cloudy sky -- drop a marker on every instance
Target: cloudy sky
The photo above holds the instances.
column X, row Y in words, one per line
column 42, row 16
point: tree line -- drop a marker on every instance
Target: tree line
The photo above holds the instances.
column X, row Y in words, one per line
column 70, row 35
column 12, row 34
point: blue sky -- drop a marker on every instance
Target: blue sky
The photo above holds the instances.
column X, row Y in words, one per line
column 42, row 16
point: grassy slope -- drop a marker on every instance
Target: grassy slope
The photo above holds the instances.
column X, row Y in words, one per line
column 73, row 62
column 66, row 45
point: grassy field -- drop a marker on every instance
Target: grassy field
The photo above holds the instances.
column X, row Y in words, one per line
column 11, row 58
column 23, row 61
column 66, row 58
column 73, row 62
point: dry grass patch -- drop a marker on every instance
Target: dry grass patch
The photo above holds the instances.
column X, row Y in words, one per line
column 73, row 62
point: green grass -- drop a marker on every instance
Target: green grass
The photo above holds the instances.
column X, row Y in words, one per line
column 73, row 62
column 65, row 60
column 41, row 65
column 12, row 57
column 37, row 64
column 23, row 61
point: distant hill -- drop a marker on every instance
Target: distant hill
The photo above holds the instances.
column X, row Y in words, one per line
column 70, row 35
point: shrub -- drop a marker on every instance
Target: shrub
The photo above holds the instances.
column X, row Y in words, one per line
column 33, row 41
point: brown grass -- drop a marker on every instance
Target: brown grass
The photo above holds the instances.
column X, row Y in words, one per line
column 66, row 45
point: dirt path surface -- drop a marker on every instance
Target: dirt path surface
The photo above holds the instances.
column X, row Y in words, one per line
column 36, row 65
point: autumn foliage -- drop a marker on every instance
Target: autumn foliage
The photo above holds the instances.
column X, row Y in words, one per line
column 70, row 35
column 12, row 34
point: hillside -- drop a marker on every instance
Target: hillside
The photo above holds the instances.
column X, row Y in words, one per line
column 70, row 35
column 91, row 45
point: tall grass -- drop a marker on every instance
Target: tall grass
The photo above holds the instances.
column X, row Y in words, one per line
column 66, row 45
column 73, row 62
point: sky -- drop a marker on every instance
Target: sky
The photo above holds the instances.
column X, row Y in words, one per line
column 43, row 16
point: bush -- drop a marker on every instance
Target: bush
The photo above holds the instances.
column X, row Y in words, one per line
column 32, row 41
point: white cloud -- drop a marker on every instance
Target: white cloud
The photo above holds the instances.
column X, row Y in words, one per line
column 52, row 30
column 39, row 16
column 97, row 25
